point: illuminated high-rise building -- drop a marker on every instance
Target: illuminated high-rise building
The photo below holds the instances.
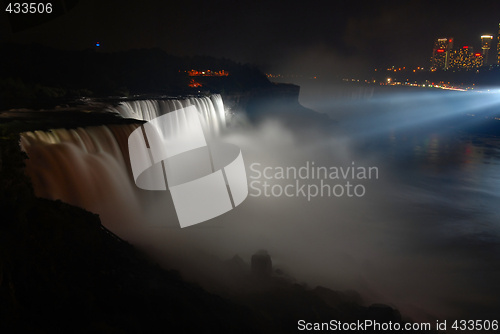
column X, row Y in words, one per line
column 498, row 45
column 486, row 41
column 441, row 53
column 463, row 58
column 477, row 60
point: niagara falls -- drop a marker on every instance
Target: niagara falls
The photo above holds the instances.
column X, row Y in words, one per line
column 241, row 167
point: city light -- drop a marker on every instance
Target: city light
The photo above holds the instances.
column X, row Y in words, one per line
column 193, row 83
column 207, row 73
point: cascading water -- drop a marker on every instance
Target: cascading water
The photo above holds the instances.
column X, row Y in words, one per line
column 90, row 167
column 84, row 167
column 210, row 110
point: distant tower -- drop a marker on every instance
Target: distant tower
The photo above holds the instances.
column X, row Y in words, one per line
column 477, row 60
column 441, row 53
column 462, row 58
column 486, row 45
column 498, row 45
column 449, row 48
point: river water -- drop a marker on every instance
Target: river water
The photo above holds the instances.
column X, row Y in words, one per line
column 440, row 152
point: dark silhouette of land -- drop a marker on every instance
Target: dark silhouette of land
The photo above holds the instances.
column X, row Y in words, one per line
column 36, row 72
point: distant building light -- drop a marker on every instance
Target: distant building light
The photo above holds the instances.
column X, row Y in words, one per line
column 193, row 83
column 222, row 73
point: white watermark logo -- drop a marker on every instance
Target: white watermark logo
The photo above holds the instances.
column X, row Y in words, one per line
column 205, row 180
column 298, row 181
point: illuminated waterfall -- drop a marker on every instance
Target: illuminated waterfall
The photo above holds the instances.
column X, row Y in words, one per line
column 90, row 167
column 210, row 110
column 84, row 167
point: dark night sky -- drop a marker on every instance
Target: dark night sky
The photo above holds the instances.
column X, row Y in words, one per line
column 307, row 37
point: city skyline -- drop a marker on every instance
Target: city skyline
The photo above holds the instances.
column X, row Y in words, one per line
column 332, row 38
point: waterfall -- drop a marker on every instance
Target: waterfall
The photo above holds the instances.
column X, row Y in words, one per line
column 90, row 167
column 210, row 110
column 85, row 167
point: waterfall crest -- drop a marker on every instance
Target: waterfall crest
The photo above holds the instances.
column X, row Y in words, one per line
column 210, row 110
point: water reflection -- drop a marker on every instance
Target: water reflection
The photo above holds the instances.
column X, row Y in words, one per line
column 445, row 187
